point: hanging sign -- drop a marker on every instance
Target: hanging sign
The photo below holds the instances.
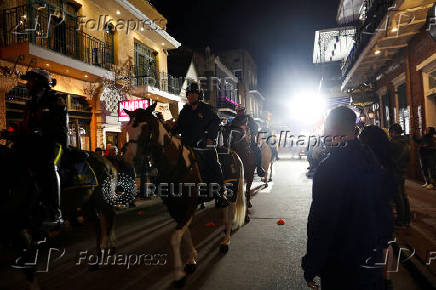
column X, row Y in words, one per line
column 130, row 106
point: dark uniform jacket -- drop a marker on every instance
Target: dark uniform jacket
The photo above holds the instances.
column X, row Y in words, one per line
column 349, row 217
column 400, row 155
column 426, row 145
column 198, row 125
column 47, row 117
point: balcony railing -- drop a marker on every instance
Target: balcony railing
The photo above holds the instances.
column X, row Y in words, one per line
column 223, row 102
column 26, row 24
column 156, row 79
column 375, row 11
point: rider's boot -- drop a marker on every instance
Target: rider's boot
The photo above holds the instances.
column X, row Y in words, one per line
column 54, row 218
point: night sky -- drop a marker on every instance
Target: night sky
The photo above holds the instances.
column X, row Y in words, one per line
column 278, row 33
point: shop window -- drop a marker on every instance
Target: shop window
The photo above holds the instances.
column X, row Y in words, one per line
column 79, row 133
column 109, row 43
column 403, row 109
column 112, row 139
column 146, row 65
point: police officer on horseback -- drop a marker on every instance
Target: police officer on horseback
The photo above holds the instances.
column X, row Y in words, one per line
column 253, row 130
column 41, row 139
column 198, row 125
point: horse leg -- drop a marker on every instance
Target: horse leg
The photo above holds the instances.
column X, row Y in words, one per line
column 270, row 170
column 191, row 263
column 248, row 193
column 229, row 215
column 176, row 239
column 112, row 240
column 103, row 231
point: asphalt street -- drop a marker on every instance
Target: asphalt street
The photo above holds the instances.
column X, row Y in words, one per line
column 262, row 255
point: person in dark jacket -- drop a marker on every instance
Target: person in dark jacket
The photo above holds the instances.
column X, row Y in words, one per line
column 42, row 138
column 253, row 130
column 377, row 140
column 198, row 125
column 345, row 236
column 427, row 157
column 400, row 152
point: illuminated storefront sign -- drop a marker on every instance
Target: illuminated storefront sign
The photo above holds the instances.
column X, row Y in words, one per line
column 130, row 106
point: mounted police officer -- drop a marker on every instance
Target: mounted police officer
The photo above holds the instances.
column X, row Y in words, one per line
column 198, row 124
column 253, row 130
column 42, row 138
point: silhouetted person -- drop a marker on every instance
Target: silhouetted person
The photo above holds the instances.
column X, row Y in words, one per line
column 427, row 157
column 345, row 231
column 400, row 151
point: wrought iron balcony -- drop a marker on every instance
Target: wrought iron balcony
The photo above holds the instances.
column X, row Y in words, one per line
column 161, row 80
column 374, row 12
column 39, row 26
column 223, row 102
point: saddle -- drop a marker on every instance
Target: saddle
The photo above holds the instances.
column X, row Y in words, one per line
column 227, row 161
column 75, row 170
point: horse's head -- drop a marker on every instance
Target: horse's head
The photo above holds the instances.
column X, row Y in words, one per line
column 143, row 131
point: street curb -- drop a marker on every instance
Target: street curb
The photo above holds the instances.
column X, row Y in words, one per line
column 418, row 270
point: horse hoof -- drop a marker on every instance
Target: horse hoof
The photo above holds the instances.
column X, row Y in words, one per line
column 247, row 219
column 249, row 205
column 270, row 180
column 190, row 268
column 180, row 283
column 224, row 249
column 266, row 185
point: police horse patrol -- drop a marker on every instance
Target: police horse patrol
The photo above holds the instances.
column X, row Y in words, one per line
column 20, row 213
column 176, row 164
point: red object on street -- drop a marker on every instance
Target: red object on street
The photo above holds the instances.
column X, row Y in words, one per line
column 140, row 212
column 280, row 222
column 210, row 225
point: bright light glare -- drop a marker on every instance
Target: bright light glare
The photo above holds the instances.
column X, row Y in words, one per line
column 307, row 107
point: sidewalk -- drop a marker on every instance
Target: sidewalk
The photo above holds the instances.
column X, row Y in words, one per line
column 421, row 235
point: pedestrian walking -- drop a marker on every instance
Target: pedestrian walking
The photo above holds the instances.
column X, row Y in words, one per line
column 400, row 152
column 377, row 140
column 427, row 157
column 346, row 231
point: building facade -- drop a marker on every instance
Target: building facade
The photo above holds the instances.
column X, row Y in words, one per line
column 243, row 66
column 100, row 52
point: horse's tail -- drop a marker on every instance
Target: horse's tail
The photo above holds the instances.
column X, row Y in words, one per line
column 239, row 219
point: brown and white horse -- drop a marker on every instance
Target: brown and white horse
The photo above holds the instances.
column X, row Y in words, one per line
column 176, row 164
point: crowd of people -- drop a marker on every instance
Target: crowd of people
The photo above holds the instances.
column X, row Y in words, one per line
column 351, row 220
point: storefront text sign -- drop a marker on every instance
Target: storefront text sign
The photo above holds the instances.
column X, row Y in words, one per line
column 130, row 106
